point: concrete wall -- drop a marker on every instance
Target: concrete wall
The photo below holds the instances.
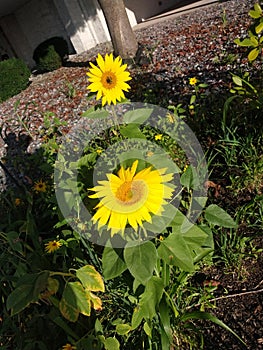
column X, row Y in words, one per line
column 80, row 22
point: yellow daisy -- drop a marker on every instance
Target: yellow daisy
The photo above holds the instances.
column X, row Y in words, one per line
column 108, row 79
column 192, row 81
column 17, row 202
column 158, row 137
column 68, row 347
column 40, row 186
column 130, row 198
column 52, row 246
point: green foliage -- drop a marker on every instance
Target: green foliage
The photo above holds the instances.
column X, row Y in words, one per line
column 50, row 61
column 255, row 38
column 60, row 45
column 14, row 77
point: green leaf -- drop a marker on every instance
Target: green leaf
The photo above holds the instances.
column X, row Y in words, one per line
column 246, row 42
column 258, row 8
column 254, row 14
column 111, row 344
column 140, row 260
column 98, row 114
column 137, row 116
column 237, row 80
column 90, row 278
column 159, row 223
column 147, row 329
column 207, row 316
column 190, row 178
column 81, row 296
column 217, row 216
column 165, row 321
column 68, row 304
column 123, row 329
column 253, row 54
column 112, row 264
column 174, row 251
column 27, row 291
column 132, row 131
column 149, row 300
column 259, row 28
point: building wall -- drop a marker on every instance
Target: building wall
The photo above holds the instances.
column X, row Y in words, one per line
column 80, row 22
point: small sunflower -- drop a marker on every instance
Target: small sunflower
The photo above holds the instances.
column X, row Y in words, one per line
column 192, row 81
column 68, row 347
column 52, row 246
column 130, row 198
column 109, row 79
column 18, row 202
column 40, row 186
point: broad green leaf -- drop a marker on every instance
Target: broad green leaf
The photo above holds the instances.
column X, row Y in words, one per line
column 149, row 300
column 98, row 114
column 237, row 80
column 112, row 264
column 159, row 223
column 254, row 14
column 253, row 54
column 194, row 237
column 68, row 304
column 15, row 243
column 82, row 297
column 246, row 42
column 132, row 131
column 137, row 116
column 259, row 28
column 123, row 328
column 217, row 216
column 90, row 278
column 140, row 260
column 190, row 178
column 111, row 344
column 52, row 285
column 174, row 251
column 28, row 290
column 87, row 159
column 258, row 8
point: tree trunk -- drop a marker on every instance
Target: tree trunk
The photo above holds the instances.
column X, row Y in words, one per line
column 122, row 36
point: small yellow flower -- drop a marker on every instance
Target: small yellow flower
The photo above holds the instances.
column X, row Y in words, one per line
column 17, row 202
column 40, row 186
column 150, row 154
column 108, row 79
column 68, row 347
column 192, row 81
column 52, row 246
column 158, row 137
column 99, row 151
column 185, row 167
column 161, row 238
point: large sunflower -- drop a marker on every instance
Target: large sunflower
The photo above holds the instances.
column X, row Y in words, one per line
column 109, row 79
column 130, row 198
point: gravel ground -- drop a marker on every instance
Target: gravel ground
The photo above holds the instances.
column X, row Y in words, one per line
column 196, row 44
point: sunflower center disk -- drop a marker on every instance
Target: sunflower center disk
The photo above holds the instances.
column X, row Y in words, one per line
column 131, row 192
column 108, row 80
